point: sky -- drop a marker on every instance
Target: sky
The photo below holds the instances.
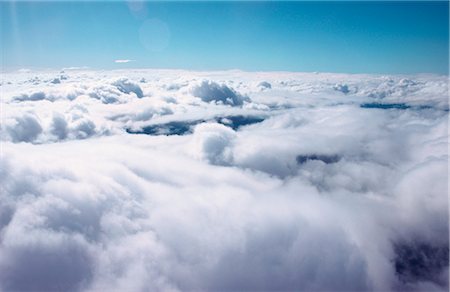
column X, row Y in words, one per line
column 348, row 37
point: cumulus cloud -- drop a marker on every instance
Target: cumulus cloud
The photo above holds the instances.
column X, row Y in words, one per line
column 210, row 91
column 24, row 129
column 34, row 96
column 59, row 126
column 127, row 86
column 227, row 187
column 265, row 85
column 212, row 142
column 342, row 88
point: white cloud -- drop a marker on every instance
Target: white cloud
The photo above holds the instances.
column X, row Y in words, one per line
column 123, row 61
column 127, row 86
column 24, row 70
column 75, row 68
column 316, row 193
column 210, row 91
column 212, row 142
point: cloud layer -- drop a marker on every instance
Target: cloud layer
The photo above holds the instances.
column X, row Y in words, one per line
column 172, row 180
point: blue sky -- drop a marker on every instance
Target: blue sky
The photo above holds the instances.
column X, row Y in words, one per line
column 351, row 37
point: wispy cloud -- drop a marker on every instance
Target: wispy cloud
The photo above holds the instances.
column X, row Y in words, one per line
column 123, row 61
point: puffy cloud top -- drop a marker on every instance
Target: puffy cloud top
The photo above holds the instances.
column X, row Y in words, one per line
column 211, row 91
column 212, row 142
column 127, row 86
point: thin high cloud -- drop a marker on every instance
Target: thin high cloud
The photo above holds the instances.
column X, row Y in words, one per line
column 123, row 61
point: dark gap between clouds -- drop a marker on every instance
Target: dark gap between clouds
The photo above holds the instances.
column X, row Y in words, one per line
column 186, row 127
column 400, row 106
column 419, row 261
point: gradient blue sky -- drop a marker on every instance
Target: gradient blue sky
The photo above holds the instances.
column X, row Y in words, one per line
column 351, row 37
